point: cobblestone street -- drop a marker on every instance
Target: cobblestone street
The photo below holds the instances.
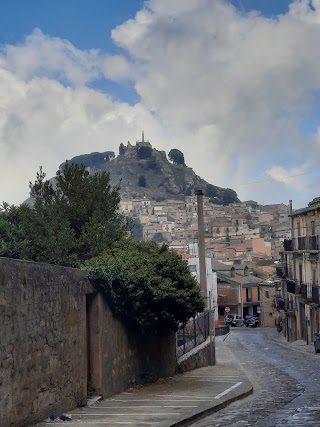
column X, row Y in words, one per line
column 286, row 384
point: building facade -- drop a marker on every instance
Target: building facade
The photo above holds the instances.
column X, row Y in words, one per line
column 299, row 297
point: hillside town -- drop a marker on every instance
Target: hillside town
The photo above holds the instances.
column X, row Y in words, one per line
column 243, row 244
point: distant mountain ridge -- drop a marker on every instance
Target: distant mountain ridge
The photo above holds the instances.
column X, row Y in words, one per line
column 144, row 171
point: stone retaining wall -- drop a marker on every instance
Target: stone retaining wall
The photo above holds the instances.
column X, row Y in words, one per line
column 57, row 335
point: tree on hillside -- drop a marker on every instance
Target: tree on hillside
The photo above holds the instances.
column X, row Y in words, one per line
column 144, row 152
column 176, row 156
column 153, row 165
column 210, row 191
column 229, row 196
column 122, row 149
column 148, row 286
column 188, row 191
column 159, row 238
column 72, row 220
column 142, row 182
column 137, row 229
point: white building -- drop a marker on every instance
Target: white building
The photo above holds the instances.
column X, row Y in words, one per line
column 211, row 281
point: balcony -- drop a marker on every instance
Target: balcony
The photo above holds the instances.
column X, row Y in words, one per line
column 291, row 286
column 306, row 291
column 281, row 305
column 288, row 245
column 280, row 272
column 304, row 243
column 315, row 294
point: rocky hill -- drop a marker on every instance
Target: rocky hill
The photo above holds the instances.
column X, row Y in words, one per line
column 144, row 171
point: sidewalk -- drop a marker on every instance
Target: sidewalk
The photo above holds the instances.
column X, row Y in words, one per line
column 297, row 345
column 172, row 402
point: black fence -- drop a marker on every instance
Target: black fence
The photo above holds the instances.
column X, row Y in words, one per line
column 194, row 333
column 315, row 294
column 291, row 286
column 303, row 290
column 306, row 243
column 281, row 305
column 288, row 245
column 280, row 272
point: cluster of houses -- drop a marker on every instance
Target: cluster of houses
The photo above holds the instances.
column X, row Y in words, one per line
column 243, row 245
column 261, row 260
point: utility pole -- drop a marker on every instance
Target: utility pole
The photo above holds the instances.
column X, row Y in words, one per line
column 201, row 246
column 240, row 300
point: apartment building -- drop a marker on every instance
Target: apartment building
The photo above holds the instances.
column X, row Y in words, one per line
column 298, row 299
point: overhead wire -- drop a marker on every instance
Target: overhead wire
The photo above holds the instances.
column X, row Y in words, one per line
column 273, row 180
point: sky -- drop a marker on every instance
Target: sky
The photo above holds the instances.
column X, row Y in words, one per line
column 233, row 84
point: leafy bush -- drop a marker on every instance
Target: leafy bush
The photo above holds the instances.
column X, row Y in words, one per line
column 148, row 286
column 153, row 165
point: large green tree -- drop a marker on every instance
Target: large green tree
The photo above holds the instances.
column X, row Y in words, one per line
column 14, row 224
column 73, row 218
column 148, row 286
column 229, row 196
column 176, row 156
column 144, row 152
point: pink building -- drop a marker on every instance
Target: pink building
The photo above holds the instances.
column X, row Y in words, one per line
column 261, row 247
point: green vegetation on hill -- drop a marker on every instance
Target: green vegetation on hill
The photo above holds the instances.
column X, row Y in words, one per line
column 91, row 160
column 164, row 179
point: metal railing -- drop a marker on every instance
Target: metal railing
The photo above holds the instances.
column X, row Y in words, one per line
column 194, row 333
column 305, row 243
column 315, row 294
column 291, row 286
column 288, row 246
column 306, row 291
column 302, row 243
column 281, row 305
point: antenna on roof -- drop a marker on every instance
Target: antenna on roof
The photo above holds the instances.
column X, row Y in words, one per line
column 143, row 136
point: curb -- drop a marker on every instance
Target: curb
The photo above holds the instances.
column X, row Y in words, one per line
column 208, row 411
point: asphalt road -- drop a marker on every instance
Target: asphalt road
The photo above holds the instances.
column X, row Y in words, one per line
column 286, row 384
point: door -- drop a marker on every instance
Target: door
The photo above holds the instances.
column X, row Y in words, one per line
column 303, row 322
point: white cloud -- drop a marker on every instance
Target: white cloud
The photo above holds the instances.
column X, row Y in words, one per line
column 227, row 88
column 289, row 177
column 117, row 67
column 44, row 123
column 41, row 55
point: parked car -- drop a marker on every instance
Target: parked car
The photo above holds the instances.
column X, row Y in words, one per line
column 252, row 321
column 234, row 320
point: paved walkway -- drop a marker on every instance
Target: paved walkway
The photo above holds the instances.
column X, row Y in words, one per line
column 174, row 402
column 297, row 345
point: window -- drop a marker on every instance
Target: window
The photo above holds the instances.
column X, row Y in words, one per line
column 300, row 273
column 313, row 228
column 299, row 228
column 267, row 294
column 248, row 294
